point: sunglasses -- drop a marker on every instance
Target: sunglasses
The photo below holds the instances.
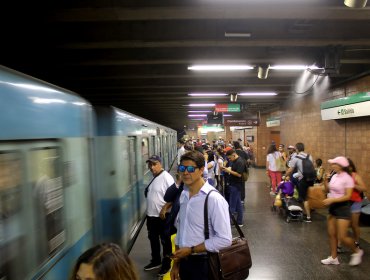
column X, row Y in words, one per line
column 189, row 168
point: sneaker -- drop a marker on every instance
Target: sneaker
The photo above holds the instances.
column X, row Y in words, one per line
column 241, row 225
column 356, row 258
column 152, row 266
column 272, row 193
column 307, row 220
column 163, row 271
column 340, row 249
column 330, row 260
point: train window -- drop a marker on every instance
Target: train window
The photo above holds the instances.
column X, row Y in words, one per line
column 48, row 193
column 12, row 236
column 152, row 146
column 145, row 152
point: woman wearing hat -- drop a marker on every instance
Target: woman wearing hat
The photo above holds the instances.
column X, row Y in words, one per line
column 340, row 190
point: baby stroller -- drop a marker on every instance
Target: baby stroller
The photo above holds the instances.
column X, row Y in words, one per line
column 293, row 209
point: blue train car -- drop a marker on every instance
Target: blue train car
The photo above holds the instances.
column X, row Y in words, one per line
column 124, row 143
column 65, row 183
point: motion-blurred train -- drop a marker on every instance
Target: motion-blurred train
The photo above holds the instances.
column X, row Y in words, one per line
column 70, row 176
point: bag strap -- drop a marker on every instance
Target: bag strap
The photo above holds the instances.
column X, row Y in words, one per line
column 147, row 187
column 206, row 226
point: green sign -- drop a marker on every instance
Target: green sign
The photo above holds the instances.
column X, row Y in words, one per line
column 356, row 98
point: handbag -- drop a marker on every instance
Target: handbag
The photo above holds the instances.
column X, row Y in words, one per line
column 280, row 164
column 230, row 263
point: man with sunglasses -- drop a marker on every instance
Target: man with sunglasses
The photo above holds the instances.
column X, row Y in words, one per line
column 190, row 257
column 155, row 224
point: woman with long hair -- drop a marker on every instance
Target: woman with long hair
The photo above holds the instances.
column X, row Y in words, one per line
column 340, row 190
column 356, row 200
column 104, row 262
column 271, row 169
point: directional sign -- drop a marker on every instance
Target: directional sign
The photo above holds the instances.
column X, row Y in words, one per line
column 242, row 122
column 227, row 108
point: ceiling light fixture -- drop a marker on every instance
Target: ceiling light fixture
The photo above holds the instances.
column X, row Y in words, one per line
column 202, row 105
column 227, row 115
column 197, row 115
column 208, row 94
column 233, row 97
column 293, row 67
column 355, row 3
column 200, row 111
column 238, row 34
column 257, row 93
column 263, row 71
column 220, row 67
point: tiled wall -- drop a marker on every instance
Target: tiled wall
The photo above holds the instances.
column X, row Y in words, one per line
column 301, row 122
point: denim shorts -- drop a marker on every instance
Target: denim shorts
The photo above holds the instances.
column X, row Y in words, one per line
column 356, row 207
column 341, row 210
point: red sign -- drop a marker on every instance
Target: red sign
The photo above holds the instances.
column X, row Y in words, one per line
column 241, row 122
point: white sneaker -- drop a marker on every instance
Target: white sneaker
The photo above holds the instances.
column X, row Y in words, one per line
column 330, row 260
column 356, row 258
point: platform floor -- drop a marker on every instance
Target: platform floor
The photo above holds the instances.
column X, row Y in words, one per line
column 280, row 250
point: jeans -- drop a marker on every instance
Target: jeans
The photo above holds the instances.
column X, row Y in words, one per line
column 235, row 203
column 157, row 233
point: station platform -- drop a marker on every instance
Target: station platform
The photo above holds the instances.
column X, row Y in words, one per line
column 279, row 250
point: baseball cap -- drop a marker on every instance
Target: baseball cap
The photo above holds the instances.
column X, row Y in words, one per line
column 154, row 158
column 291, row 147
column 227, row 149
column 342, row 161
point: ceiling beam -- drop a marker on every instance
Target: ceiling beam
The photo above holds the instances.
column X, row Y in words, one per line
column 213, row 12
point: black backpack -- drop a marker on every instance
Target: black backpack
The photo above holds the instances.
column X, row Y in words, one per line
column 308, row 170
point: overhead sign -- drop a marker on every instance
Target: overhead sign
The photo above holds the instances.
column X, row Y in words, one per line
column 227, row 108
column 272, row 122
column 357, row 105
column 242, row 122
column 215, row 118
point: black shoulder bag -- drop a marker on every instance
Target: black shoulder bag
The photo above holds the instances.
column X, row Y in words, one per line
column 147, row 187
column 230, row 263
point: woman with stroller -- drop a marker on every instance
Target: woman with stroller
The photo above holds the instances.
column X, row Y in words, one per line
column 340, row 190
column 271, row 169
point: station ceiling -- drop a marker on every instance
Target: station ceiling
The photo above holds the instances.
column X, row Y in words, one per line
column 135, row 54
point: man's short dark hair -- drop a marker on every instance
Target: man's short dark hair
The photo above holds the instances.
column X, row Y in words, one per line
column 230, row 152
column 195, row 156
column 300, row 147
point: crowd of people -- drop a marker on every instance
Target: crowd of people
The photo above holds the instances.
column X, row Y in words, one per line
column 344, row 187
column 177, row 206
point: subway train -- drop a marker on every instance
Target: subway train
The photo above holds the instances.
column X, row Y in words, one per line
column 71, row 176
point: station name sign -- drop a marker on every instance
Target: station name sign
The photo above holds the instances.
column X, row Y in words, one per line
column 242, row 122
column 357, row 105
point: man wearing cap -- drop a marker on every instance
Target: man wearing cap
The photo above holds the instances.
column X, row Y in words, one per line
column 156, row 213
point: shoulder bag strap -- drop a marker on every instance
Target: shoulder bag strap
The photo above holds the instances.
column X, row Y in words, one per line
column 206, row 226
column 147, row 187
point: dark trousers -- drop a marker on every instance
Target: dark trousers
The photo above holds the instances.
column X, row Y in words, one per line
column 235, row 203
column 194, row 267
column 157, row 234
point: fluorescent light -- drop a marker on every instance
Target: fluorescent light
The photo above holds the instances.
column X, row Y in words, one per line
column 227, row 115
column 293, row 67
column 196, row 120
column 197, row 115
column 220, row 67
column 208, row 94
column 202, row 105
column 257, row 93
column 238, row 34
column 199, row 111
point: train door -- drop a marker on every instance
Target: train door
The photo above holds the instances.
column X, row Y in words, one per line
column 133, row 189
column 32, row 206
